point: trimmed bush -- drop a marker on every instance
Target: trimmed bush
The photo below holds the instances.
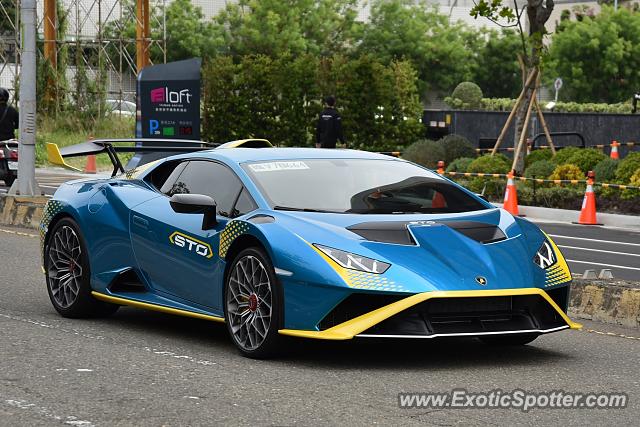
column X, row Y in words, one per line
column 605, row 170
column 627, row 167
column 562, row 156
column 456, row 146
column 469, row 94
column 540, row 169
column 424, row 152
column 586, row 159
column 635, row 181
column 486, row 164
column 536, row 155
column 460, row 165
column 567, row 171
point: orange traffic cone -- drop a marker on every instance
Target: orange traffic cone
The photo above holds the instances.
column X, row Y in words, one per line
column 91, row 164
column 588, row 211
column 614, row 150
column 511, row 196
column 441, row 167
column 438, row 201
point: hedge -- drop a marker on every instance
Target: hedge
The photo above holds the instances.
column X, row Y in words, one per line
column 280, row 99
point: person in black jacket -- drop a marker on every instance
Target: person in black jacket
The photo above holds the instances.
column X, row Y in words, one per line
column 329, row 129
column 8, row 117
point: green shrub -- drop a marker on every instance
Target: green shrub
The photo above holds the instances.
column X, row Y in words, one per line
column 456, row 146
column 567, row 171
column 586, row 159
column 506, row 104
column 635, row 181
column 536, row 155
column 487, row 164
column 562, row 156
column 605, row 170
column 540, row 169
column 628, row 167
column 425, row 152
column 469, row 94
column 460, row 164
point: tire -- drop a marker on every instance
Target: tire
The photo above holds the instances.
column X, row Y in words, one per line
column 509, row 339
column 69, row 290
column 250, row 287
column 9, row 180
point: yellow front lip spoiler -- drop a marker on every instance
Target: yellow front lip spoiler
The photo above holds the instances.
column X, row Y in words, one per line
column 355, row 326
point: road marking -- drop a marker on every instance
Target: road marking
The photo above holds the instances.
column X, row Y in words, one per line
column 174, row 355
column 611, row 334
column 597, row 250
column 595, row 240
column 19, row 233
column 605, row 265
column 47, row 413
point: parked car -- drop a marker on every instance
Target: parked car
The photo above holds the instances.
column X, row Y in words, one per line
column 121, row 108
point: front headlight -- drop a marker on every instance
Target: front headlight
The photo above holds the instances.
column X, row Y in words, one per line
column 545, row 257
column 353, row 261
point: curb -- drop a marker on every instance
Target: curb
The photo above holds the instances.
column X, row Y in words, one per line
column 565, row 215
column 615, row 302
column 22, row 210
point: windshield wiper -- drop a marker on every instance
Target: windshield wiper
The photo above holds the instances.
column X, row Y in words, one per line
column 288, row 208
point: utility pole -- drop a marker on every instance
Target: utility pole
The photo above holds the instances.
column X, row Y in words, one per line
column 26, row 184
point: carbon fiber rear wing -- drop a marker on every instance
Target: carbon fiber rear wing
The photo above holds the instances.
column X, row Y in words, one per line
column 57, row 155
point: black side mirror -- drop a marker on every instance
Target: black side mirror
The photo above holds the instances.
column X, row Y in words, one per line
column 196, row 204
column 483, row 197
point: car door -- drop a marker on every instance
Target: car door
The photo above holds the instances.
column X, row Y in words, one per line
column 178, row 258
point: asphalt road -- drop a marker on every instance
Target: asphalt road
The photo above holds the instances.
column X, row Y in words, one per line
column 49, row 179
column 597, row 248
column 144, row 368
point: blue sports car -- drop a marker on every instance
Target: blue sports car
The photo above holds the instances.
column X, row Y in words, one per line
column 310, row 243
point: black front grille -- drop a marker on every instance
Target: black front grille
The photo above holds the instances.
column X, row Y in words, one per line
column 356, row 305
column 471, row 315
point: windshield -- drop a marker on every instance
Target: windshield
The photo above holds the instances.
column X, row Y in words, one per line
column 357, row 186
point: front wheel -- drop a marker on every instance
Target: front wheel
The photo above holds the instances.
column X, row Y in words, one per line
column 253, row 304
column 509, row 339
column 66, row 264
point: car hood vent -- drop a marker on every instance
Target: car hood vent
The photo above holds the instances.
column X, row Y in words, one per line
column 398, row 232
column 385, row 232
column 478, row 231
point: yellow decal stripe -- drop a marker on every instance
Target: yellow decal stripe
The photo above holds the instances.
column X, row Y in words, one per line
column 353, row 327
column 154, row 307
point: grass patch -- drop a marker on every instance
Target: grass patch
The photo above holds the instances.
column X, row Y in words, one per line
column 69, row 130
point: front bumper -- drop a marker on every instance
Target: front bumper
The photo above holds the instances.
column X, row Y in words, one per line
column 453, row 313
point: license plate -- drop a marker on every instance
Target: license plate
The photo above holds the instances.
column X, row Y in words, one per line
column 13, row 166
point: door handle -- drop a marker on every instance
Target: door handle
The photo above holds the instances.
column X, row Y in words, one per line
column 140, row 222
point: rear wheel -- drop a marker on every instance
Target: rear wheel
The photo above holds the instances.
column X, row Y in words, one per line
column 510, row 339
column 9, row 180
column 68, row 273
column 253, row 304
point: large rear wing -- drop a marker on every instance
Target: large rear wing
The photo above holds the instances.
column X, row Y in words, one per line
column 57, row 155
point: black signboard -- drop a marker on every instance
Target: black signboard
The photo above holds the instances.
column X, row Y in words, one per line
column 168, row 100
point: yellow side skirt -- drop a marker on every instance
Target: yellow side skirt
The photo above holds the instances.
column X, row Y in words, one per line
column 353, row 327
column 154, row 307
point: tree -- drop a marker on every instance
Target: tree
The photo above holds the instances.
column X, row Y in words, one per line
column 538, row 13
column 598, row 57
column 496, row 68
column 406, row 29
column 7, row 17
column 188, row 33
column 276, row 27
